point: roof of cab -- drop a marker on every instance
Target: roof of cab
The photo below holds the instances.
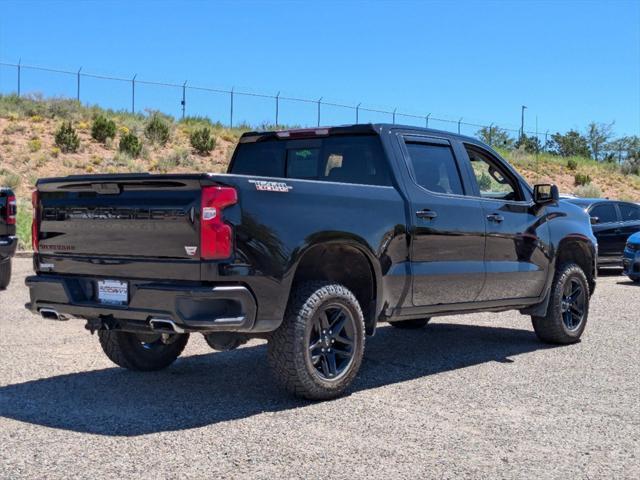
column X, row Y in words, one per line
column 352, row 129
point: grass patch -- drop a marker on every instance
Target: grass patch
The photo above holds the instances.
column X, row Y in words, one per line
column 23, row 225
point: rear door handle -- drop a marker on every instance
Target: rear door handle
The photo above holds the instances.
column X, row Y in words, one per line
column 494, row 217
column 426, row 213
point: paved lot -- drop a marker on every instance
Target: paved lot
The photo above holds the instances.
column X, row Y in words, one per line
column 469, row 396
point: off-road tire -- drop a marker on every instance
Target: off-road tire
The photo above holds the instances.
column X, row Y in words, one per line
column 414, row 324
column 288, row 344
column 5, row 274
column 125, row 350
column 551, row 328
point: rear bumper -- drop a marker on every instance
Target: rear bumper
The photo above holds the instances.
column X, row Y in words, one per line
column 191, row 307
column 8, row 247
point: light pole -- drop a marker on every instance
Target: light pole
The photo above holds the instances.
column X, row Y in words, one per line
column 522, row 122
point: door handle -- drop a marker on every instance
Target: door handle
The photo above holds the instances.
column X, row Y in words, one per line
column 426, row 214
column 494, row 217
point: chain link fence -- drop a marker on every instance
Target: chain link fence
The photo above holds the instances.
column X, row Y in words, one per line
column 237, row 107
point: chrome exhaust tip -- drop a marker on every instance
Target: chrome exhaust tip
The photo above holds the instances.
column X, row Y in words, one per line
column 165, row 325
column 51, row 314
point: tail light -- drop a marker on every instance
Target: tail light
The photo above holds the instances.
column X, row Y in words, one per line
column 12, row 210
column 216, row 236
column 35, row 224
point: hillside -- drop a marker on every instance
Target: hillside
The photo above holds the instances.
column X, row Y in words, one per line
column 28, row 152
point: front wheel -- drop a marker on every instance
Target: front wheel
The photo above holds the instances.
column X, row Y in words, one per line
column 5, row 274
column 142, row 351
column 317, row 351
column 568, row 308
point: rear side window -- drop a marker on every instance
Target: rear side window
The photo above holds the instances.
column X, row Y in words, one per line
column 303, row 163
column 606, row 213
column 344, row 159
column 434, row 168
column 629, row 212
column 264, row 159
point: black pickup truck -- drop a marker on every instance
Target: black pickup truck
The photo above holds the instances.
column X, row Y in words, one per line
column 310, row 240
column 8, row 239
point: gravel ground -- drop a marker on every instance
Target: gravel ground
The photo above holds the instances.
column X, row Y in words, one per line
column 468, row 396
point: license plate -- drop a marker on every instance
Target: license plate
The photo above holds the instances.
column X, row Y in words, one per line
column 113, row 292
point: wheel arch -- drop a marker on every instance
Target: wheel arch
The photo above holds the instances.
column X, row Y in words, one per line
column 576, row 249
column 326, row 260
column 579, row 250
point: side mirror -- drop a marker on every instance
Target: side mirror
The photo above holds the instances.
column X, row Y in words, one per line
column 594, row 220
column 545, row 193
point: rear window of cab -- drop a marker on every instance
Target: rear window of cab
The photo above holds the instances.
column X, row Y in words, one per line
column 346, row 159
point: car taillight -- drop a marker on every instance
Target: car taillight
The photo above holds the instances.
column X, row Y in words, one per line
column 12, row 210
column 35, row 224
column 216, row 237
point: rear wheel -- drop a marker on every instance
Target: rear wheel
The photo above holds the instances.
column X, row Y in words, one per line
column 568, row 308
column 142, row 351
column 317, row 351
column 411, row 324
column 5, row 274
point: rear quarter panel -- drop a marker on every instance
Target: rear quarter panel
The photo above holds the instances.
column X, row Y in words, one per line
column 273, row 230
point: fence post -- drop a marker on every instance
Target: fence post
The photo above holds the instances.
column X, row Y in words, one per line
column 459, row 121
column 358, row 112
column 231, row 109
column 133, row 94
column 78, row 89
column 319, row 103
column 277, row 107
column 184, row 97
column 426, row 121
column 19, row 64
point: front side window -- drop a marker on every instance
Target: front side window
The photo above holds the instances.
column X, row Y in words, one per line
column 493, row 181
column 629, row 212
column 605, row 213
column 434, row 167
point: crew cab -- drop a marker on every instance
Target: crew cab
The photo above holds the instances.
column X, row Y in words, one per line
column 310, row 240
column 8, row 239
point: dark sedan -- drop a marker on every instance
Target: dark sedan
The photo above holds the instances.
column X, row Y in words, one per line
column 613, row 222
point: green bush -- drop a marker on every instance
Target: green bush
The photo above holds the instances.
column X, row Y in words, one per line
column 484, row 182
column 581, row 179
column 130, row 145
column 202, row 141
column 34, row 144
column 67, row 139
column 179, row 156
column 11, row 180
column 103, row 128
column 157, row 130
column 572, row 164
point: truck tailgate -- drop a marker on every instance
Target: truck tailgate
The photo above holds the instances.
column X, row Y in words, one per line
column 113, row 224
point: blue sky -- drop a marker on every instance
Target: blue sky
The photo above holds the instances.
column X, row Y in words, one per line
column 570, row 62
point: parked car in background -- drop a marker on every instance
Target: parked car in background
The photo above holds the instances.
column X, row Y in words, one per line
column 613, row 222
column 8, row 239
column 631, row 258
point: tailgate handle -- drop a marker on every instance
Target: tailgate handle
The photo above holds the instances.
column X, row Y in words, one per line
column 106, row 188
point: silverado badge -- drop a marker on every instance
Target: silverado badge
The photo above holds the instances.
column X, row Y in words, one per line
column 266, row 186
